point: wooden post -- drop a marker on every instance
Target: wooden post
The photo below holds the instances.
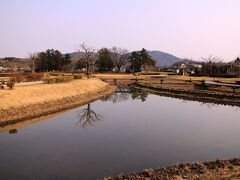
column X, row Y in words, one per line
column 161, row 80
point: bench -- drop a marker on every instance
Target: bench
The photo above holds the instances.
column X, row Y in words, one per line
column 159, row 77
column 7, row 82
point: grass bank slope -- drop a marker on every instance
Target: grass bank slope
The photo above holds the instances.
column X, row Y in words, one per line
column 27, row 102
column 27, row 95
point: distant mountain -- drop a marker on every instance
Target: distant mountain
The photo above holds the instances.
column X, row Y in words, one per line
column 76, row 54
column 164, row 59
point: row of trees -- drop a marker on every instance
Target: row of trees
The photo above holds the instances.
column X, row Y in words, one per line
column 214, row 66
column 107, row 59
column 51, row 60
column 210, row 66
column 103, row 60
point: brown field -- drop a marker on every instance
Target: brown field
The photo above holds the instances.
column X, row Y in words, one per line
column 40, row 93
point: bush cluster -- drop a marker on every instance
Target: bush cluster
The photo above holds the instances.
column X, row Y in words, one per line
column 19, row 77
column 34, row 76
column 4, row 74
column 24, row 77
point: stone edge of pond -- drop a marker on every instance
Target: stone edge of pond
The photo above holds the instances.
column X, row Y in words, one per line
column 200, row 96
column 219, row 169
column 15, row 115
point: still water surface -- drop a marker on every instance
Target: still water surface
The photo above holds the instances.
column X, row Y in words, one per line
column 124, row 133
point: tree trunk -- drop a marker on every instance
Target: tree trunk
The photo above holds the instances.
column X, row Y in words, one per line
column 118, row 69
column 88, row 70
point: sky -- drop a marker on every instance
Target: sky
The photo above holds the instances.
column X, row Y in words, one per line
column 185, row 28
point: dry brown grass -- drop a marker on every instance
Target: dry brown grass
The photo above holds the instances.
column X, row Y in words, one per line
column 40, row 93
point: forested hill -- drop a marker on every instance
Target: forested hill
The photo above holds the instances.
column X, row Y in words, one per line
column 163, row 59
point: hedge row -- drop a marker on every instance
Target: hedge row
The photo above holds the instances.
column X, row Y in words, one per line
column 57, row 79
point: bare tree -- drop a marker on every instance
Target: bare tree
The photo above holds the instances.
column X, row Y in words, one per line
column 88, row 57
column 120, row 57
column 88, row 117
column 211, row 61
column 33, row 60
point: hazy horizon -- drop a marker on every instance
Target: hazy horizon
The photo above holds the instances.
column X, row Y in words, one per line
column 192, row 29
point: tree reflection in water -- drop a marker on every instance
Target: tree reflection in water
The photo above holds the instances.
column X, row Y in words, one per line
column 139, row 95
column 88, row 117
column 125, row 93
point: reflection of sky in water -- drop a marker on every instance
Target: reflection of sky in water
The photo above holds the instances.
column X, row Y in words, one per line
column 130, row 135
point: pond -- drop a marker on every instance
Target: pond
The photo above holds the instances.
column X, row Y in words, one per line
column 126, row 132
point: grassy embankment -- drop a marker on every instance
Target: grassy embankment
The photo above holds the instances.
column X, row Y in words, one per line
column 25, row 102
column 179, row 82
column 181, row 87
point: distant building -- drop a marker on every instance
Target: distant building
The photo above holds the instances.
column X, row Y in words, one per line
column 186, row 67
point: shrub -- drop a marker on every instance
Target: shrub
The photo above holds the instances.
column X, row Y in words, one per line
column 20, row 77
column 4, row 74
column 56, row 74
column 35, row 76
column 78, row 76
column 57, row 79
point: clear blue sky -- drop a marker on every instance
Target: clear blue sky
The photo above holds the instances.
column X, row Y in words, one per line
column 185, row 28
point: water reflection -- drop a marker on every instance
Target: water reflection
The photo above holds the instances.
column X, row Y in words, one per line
column 139, row 95
column 88, row 117
column 132, row 136
column 209, row 105
column 125, row 93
